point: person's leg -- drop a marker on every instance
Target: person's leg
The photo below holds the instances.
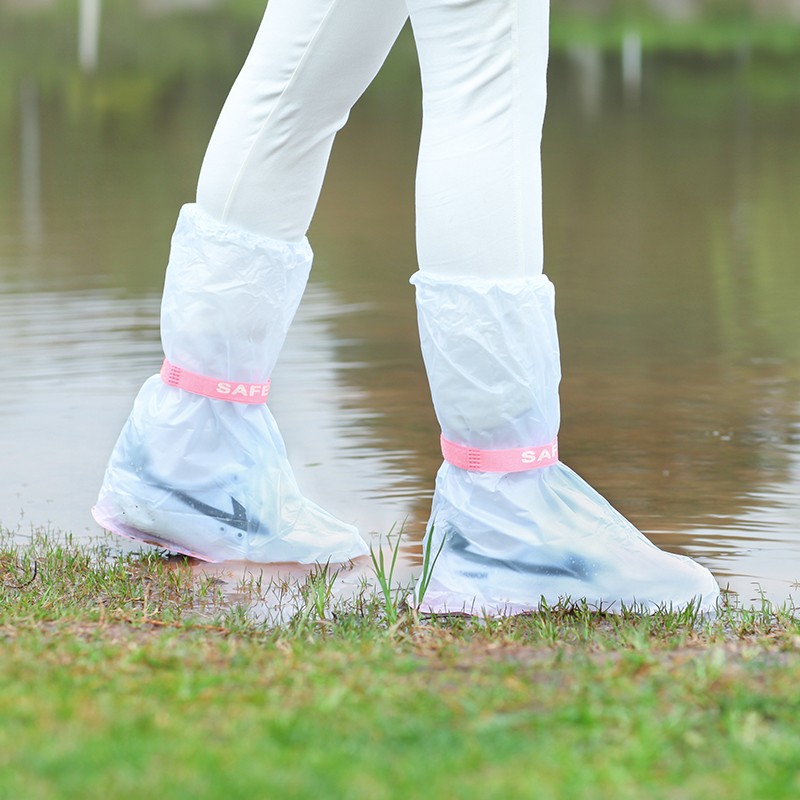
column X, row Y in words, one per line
column 200, row 466
column 310, row 62
column 512, row 525
column 479, row 186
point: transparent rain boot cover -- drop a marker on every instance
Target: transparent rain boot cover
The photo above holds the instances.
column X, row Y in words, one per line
column 203, row 476
column 507, row 542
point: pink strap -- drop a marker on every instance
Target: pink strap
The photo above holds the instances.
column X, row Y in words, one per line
column 517, row 460
column 232, row 391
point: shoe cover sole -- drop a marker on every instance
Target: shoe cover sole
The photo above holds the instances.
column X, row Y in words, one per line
column 135, row 535
column 109, row 523
column 440, row 600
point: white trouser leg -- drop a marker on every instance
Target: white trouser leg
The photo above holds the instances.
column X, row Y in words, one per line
column 506, row 541
column 479, row 206
column 205, row 476
column 310, row 61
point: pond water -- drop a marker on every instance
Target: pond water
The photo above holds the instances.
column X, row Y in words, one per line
column 671, row 237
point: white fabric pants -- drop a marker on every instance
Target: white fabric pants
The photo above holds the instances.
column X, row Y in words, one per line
column 483, row 65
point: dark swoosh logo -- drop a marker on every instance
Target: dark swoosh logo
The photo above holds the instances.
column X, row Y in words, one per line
column 574, row 567
column 238, row 519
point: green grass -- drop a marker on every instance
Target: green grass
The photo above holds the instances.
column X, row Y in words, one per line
column 126, row 676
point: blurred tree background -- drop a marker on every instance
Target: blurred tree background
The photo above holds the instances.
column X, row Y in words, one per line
column 143, row 50
column 197, row 30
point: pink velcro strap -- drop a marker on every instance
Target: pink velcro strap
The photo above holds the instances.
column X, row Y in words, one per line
column 232, row 391
column 517, row 460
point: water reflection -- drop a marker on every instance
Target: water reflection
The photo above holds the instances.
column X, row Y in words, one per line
column 276, row 593
column 74, row 360
column 670, row 237
column 30, row 164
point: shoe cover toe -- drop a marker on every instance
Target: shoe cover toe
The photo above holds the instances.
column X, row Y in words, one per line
column 511, row 543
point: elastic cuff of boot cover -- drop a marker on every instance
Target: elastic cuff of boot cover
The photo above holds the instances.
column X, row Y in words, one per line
column 515, row 460
column 232, row 391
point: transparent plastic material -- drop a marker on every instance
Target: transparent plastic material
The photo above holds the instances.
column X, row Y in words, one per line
column 207, row 477
column 508, row 542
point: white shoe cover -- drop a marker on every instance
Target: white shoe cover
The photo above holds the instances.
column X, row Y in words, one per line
column 207, row 477
column 509, row 542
